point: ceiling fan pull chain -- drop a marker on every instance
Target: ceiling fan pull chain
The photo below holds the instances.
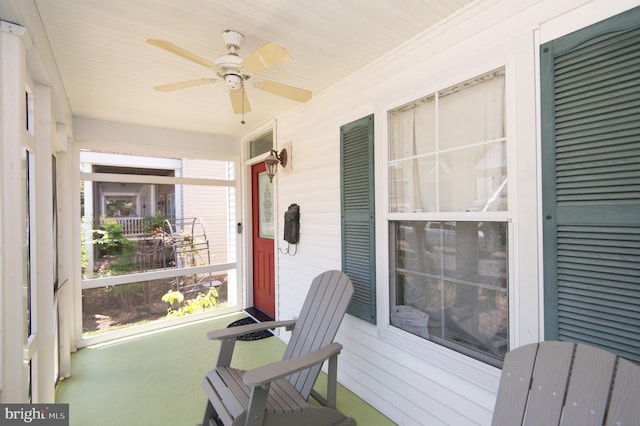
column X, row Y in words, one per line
column 243, row 95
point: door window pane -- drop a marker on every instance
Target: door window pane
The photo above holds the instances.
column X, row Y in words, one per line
column 265, row 205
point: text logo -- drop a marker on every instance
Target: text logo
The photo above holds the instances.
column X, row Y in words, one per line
column 34, row 414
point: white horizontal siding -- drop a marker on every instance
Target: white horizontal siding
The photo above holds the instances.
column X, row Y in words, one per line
column 211, row 207
column 380, row 364
column 411, row 383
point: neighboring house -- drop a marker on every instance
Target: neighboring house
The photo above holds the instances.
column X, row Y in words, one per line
column 132, row 204
column 452, row 267
column 129, row 202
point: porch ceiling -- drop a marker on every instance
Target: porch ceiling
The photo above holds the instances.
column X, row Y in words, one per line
column 108, row 70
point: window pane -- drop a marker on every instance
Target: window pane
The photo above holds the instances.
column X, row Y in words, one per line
column 265, row 206
column 473, row 179
column 109, row 308
column 152, row 246
column 413, row 129
column 121, row 206
column 457, row 163
column 472, row 111
column 191, row 226
column 412, row 185
column 261, row 144
column 449, row 281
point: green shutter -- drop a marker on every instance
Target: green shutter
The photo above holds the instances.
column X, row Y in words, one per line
column 358, row 231
column 590, row 83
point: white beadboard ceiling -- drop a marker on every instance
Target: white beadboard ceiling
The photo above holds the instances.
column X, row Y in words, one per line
column 108, row 70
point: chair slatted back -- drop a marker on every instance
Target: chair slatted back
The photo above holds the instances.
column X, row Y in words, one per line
column 317, row 325
column 552, row 383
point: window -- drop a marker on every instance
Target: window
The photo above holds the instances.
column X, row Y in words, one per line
column 261, row 144
column 448, row 216
column 120, row 205
column 158, row 242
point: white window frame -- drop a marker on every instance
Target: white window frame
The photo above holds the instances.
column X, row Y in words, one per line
column 517, row 58
column 500, row 217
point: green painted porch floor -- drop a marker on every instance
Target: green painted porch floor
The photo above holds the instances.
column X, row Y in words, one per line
column 154, row 378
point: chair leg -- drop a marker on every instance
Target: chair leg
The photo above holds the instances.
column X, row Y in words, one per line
column 210, row 416
column 257, row 405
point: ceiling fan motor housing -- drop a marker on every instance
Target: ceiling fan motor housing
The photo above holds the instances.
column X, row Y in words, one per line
column 229, row 70
column 229, row 64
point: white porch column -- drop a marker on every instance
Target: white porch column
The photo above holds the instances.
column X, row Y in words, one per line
column 43, row 366
column 87, row 228
column 13, row 278
column 68, row 244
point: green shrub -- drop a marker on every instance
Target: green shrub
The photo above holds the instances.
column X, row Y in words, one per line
column 153, row 223
column 178, row 307
column 110, row 239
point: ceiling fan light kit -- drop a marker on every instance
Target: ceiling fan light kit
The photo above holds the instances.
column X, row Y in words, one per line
column 229, row 70
column 235, row 70
column 234, row 82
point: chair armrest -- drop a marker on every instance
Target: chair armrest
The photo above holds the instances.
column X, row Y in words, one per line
column 268, row 373
column 241, row 330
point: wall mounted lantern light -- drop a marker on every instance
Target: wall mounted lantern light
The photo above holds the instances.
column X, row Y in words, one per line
column 271, row 162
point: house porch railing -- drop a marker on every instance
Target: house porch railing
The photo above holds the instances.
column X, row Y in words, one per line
column 132, row 226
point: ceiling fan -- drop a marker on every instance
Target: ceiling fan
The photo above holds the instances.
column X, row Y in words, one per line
column 235, row 71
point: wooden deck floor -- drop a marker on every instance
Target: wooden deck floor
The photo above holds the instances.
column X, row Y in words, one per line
column 154, row 379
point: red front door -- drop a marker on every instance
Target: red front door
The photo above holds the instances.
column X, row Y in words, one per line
column 264, row 295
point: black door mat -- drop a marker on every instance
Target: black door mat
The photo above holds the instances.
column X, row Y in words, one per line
column 257, row 335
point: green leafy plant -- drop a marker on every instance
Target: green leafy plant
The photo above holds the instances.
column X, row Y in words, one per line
column 154, row 223
column 117, row 259
column 84, row 260
column 179, row 307
column 110, row 239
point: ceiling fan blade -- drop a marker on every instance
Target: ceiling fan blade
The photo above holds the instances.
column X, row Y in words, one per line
column 280, row 89
column 177, row 50
column 267, row 56
column 239, row 101
column 183, row 84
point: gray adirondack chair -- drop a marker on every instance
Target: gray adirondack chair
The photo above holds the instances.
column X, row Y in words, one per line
column 553, row 383
column 277, row 394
